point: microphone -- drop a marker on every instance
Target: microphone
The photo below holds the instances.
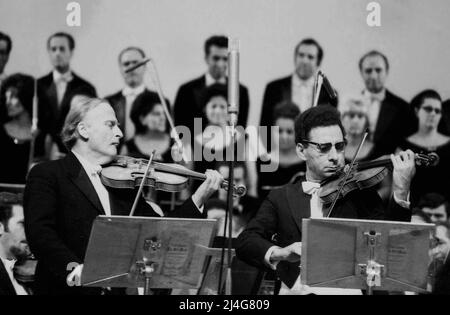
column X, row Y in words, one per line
column 233, row 82
column 139, row 64
column 331, row 92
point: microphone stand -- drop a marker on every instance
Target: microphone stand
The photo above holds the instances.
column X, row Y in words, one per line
column 233, row 110
column 34, row 126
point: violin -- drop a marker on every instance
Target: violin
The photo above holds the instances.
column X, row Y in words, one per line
column 128, row 173
column 365, row 175
column 24, row 272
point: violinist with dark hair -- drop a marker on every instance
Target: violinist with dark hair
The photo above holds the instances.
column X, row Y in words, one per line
column 62, row 198
column 273, row 237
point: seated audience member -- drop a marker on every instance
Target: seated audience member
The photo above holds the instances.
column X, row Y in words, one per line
column 440, row 261
column 188, row 101
column 55, row 93
column 433, row 208
column 134, row 85
column 356, row 122
column 283, row 151
column 427, row 139
column 5, row 50
column 15, row 131
column 13, row 244
column 151, row 128
column 215, row 141
column 298, row 87
column 390, row 118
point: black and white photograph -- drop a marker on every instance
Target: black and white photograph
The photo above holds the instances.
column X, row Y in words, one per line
column 222, row 153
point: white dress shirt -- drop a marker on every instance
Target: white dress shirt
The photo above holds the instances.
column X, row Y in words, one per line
column 374, row 100
column 316, row 205
column 130, row 95
column 3, row 76
column 9, row 266
column 302, row 92
column 93, row 172
column 210, row 80
column 61, row 80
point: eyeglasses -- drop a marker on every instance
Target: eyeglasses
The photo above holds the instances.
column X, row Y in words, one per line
column 430, row 109
column 325, row 148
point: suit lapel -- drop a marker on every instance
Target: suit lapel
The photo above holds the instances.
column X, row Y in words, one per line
column 5, row 282
column 299, row 203
column 387, row 113
column 287, row 89
column 78, row 176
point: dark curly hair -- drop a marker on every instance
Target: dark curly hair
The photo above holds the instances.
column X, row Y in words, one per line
column 25, row 92
column 323, row 115
column 142, row 106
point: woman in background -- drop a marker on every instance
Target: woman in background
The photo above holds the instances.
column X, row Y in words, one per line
column 428, row 109
column 15, row 132
column 283, row 152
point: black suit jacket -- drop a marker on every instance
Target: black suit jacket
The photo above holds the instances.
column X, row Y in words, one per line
column 6, row 287
column 279, row 91
column 280, row 217
column 444, row 125
column 188, row 104
column 395, row 122
column 60, row 205
column 51, row 116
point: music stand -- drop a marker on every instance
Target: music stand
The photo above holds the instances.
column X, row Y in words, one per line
column 368, row 255
column 133, row 252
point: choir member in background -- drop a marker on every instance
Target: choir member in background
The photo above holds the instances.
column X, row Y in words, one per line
column 428, row 109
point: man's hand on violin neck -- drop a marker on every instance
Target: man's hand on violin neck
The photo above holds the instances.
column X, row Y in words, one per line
column 404, row 171
column 211, row 184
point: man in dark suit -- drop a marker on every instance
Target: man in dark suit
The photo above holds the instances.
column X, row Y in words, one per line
column 390, row 117
column 188, row 102
column 123, row 101
column 56, row 91
column 13, row 244
column 62, row 198
column 273, row 238
column 297, row 87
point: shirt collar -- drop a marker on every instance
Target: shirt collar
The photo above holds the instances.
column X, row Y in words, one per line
column 67, row 77
column 310, row 187
column 9, row 264
column 91, row 169
column 129, row 91
column 380, row 96
column 210, row 80
column 299, row 82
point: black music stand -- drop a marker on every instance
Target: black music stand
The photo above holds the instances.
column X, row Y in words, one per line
column 133, row 252
column 367, row 255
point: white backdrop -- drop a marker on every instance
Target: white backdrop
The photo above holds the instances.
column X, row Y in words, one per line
column 414, row 34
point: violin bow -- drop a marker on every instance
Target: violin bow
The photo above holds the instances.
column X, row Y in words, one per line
column 174, row 133
column 317, row 88
column 141, row 186
column 347, row 174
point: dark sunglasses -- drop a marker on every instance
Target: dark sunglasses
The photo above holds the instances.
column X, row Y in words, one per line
column 325, row 148
column 430, row 109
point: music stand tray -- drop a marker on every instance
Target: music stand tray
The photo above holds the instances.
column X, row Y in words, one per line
column 132, row 252
column 363, row 254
